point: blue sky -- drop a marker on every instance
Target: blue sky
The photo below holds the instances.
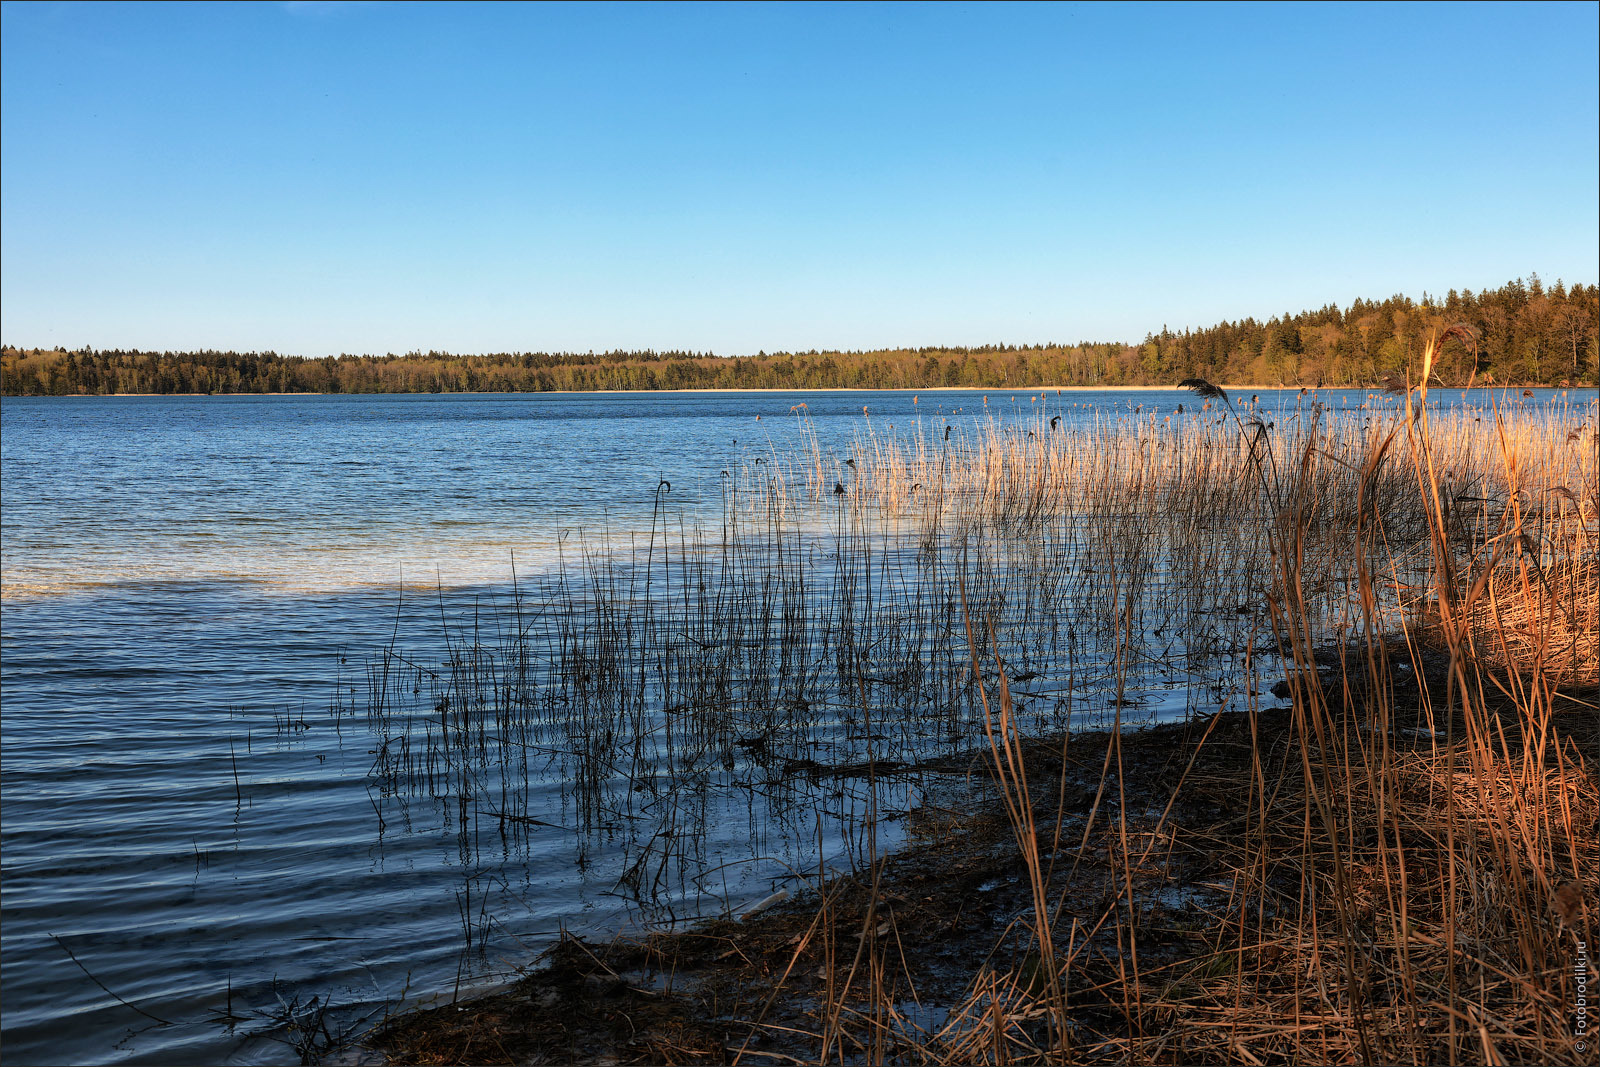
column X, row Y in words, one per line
column 322, row 178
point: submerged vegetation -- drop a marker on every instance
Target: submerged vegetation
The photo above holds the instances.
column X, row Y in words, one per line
column 1364, row 833
column 1527, row 335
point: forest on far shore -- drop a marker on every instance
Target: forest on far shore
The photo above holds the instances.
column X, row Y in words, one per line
column 1527, row 334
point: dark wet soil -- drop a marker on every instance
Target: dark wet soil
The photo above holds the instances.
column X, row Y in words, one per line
column 1138, row 844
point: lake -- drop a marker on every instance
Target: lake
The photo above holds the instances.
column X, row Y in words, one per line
column 209, row 831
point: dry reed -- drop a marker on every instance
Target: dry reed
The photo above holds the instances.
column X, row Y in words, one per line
column 1382, row 878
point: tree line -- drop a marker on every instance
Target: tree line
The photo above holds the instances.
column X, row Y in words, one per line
column 1525, row 334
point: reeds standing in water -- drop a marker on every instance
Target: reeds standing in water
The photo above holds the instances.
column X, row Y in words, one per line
column 969, row 590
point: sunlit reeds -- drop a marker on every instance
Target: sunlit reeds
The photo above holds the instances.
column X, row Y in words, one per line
column 1420, row 584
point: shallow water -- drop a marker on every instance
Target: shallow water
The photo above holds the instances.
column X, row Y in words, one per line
column 193, row 588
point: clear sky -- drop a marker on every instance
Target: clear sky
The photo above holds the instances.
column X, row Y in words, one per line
column 322, row 178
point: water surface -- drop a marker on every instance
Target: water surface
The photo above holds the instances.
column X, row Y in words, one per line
column 193, row 587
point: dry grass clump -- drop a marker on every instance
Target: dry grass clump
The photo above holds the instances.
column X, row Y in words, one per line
column 1414, row 925
column 1546, row 618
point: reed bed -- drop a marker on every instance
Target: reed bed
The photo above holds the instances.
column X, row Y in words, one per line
column 1391, row 861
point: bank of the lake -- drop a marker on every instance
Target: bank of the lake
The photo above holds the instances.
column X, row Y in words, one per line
column 1177, row 891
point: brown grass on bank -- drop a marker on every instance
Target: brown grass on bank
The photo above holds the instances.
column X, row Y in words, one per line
column 1396, row 866
column 1232, row 918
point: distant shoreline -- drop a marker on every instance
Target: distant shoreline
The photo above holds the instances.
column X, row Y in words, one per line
column 1229, row 386
column 1515, row 336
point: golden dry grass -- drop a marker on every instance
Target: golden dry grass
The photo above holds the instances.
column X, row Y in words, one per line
column 1396, row 868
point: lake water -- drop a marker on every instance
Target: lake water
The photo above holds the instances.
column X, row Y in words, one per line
column 207, row 838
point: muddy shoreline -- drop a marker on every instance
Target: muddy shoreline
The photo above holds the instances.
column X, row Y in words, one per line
column 1180, row 897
